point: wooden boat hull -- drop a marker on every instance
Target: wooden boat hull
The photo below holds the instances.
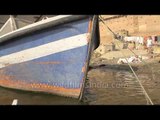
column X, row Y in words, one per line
column 52, row 60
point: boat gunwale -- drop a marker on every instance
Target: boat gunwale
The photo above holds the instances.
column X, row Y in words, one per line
column 43, row 24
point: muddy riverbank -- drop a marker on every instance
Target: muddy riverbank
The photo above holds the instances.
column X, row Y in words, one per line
column 112, row 84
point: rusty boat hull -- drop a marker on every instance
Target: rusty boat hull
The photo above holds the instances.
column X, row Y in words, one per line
column 49, row 56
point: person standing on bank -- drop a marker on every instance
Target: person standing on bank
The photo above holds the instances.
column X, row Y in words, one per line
column 149, row 44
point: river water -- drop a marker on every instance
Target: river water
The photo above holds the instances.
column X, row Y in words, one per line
column 104, row 86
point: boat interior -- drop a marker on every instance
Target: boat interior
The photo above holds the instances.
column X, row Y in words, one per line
column 9, row 23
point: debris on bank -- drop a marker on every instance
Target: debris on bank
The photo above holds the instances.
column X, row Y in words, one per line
column 15, row 102
column 132, row 59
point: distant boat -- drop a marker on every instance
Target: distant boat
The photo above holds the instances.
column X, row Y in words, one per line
column 51, row 55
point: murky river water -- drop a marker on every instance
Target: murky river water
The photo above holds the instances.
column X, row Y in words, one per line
column 104, row 86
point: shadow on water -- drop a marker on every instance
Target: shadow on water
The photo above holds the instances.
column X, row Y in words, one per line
column 7, row 95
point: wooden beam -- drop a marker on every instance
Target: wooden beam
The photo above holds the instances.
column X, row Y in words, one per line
column 38, row 18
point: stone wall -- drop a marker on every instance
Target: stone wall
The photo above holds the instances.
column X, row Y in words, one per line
column 139, row 25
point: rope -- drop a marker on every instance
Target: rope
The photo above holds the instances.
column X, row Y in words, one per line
column 143, row 62
column 127, row 47
column 144, row 91
column 147, row 96
column 100, row 17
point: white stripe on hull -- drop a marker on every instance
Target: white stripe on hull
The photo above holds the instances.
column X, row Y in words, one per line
column 44, row 50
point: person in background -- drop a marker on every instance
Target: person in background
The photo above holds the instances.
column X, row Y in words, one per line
column 149, row 44
column 134, row 45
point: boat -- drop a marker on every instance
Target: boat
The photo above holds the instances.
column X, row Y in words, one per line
column 50, row 56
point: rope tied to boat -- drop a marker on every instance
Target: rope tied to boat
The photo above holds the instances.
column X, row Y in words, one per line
column 144, row 91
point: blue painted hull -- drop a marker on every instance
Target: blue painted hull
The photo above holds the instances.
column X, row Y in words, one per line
column 52, row 60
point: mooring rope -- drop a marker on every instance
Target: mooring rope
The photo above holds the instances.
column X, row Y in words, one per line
column 144, row 91
column 142, row 62
column 146, row 94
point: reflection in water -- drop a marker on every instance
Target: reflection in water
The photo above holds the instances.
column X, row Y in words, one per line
column 121, row 87
column 32, row 98
column 104, row 87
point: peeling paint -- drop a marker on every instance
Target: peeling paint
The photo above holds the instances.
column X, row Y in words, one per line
column 84, row 68
column 89, row 31
column 6, row 81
